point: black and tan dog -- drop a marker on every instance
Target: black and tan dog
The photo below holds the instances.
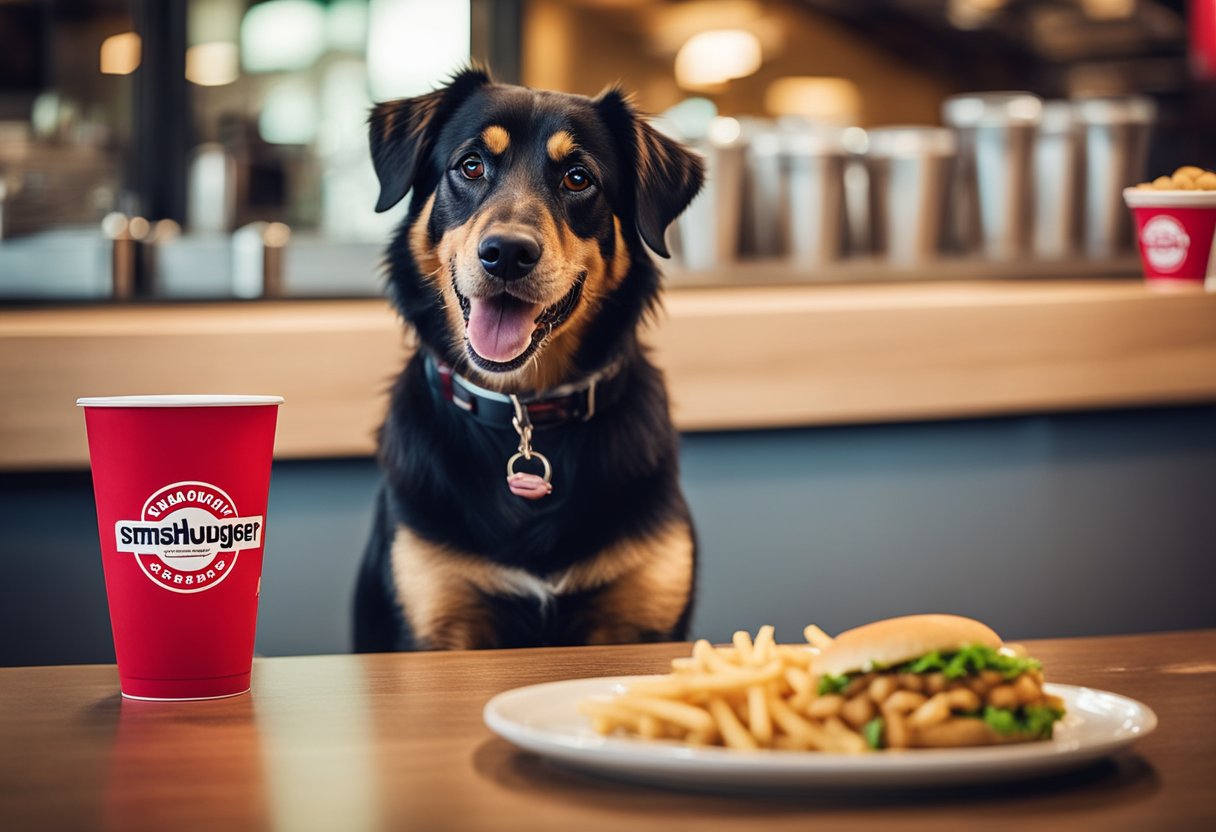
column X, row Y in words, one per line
column 522, row 268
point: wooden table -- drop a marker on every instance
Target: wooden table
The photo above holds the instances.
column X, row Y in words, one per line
column 397, row 742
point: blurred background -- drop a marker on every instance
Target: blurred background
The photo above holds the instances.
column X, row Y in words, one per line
column 158, row 149
column 907, row 337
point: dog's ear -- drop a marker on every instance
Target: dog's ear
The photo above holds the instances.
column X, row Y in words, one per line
column 666, row 174
column 402, row 132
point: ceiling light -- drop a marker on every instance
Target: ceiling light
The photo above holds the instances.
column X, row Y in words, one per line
column 282, row 35
column 120, row 54
column 710, row 59
column 413, row 44
column 1108, row 9
column 213, row 64
column 823, row 99
column 289, row 114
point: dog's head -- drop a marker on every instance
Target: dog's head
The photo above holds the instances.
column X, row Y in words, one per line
column 522, row 259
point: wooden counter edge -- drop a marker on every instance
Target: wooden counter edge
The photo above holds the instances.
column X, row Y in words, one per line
column 735, row 358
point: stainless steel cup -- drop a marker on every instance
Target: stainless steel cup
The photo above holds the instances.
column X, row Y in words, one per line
column 994, row 198
column 909, row 171
column 794, row 192
column 814, row 160
column 765, row 194
column 707, row 233
column 1116, row 134
column 1057, row 181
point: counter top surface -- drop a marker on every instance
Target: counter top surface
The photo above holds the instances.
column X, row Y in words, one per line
column 397, row 741
column 735, row 358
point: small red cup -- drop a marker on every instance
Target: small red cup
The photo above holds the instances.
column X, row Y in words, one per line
column 181, row 484
column 1175, row 231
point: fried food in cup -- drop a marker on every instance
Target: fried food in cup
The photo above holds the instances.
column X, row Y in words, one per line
column 1185, row 178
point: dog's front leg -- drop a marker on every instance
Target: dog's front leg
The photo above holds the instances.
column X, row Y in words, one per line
column 439, row 594
column 645, row 589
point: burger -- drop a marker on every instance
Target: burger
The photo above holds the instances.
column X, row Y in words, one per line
column 923, row 681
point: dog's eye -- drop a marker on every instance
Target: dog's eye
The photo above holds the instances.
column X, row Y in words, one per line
column 576, row 179
column 472, row 167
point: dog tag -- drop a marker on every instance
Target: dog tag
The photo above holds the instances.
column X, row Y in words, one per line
column 529, row 486
column 523, row 484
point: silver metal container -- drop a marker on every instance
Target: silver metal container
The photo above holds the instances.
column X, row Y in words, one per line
column 794, row 192
column 707, row 233
column 764, row 194
column 211, row 191
column 994, row 198
column 814, row 162
column 258, row 259
column 909, row 170
column 1116, row 132
column 1057, row 182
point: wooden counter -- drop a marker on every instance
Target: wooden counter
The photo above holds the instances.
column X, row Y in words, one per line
column 736, row 358
column 388, row 742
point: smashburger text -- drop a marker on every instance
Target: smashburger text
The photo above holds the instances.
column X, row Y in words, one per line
column 228, row 535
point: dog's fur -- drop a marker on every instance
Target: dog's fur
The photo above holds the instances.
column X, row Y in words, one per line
column 455, row 560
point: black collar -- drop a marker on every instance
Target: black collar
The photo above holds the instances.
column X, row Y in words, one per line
column 575, row 402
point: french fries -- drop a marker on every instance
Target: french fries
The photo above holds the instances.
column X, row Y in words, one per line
column 753, row 694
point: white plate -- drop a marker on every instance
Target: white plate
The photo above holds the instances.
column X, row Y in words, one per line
column 544, row 719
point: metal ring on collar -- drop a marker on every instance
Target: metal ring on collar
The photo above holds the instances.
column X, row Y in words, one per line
column 535, row 455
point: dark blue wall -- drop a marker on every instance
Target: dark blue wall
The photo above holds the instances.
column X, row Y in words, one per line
column 1043, row 526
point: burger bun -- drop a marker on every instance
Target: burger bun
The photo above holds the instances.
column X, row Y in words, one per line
column 894, row 641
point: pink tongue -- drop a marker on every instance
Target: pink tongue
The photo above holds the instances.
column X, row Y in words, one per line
column 501, row 329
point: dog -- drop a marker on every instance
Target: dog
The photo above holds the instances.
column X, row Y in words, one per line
column 531, row 493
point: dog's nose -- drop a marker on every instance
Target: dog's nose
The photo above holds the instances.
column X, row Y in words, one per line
column 509, row 255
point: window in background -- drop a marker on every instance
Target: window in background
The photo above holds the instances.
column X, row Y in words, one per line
column 291, row 120
column 65, row 106
column 183, row 122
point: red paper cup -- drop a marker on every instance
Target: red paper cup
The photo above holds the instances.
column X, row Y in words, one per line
column 181, row 485
column 1175, row 230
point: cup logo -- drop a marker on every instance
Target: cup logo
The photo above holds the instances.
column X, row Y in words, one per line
column 1165, row 243
column 188, row 536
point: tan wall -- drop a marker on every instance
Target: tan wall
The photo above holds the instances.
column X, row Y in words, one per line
column 581, row 48
column 572, row 48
